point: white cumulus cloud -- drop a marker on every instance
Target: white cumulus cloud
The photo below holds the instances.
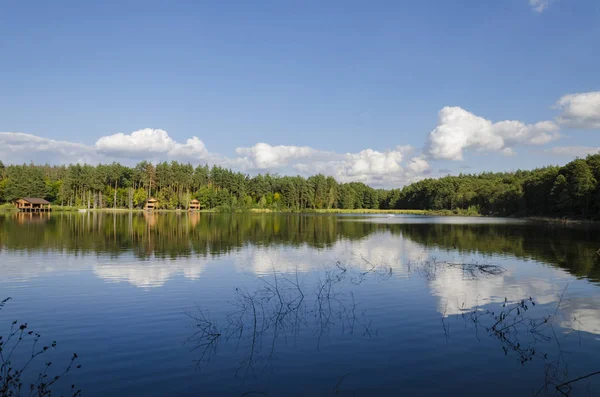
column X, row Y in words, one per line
column 458, row 130
column 375, row 168
column 193, row 147
column 417, row 165
column 539, row 5
column 150, row 142
column 580, row 110
column 372, row 162
column 17, row 147
column 264, row 156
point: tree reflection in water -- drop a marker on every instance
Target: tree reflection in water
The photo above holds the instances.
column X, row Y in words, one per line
column 280, row 306
column 528, row 333
column 178, row 235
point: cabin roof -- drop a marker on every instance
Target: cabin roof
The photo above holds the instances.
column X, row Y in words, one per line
column 195, row 201
column 34, row 200
column 151, row 200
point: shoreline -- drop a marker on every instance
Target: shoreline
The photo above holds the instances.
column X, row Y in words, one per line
column 540, row 219
column 561, row 221
column 257, row 211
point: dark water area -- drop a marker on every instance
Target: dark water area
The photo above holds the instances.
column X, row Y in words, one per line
column 198, row 304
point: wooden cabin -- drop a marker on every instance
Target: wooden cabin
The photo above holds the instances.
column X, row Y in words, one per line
column 31, row 204
column 194, row 205
column 151, row 204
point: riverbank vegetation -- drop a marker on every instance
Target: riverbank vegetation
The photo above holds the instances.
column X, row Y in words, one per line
column 571, row 190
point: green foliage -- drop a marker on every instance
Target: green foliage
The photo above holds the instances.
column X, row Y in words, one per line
column 3, row 184
column 167, row 199
column 109, row 196
column 24, row 181
column 204, row 195
column 53, row 189
column 7, row 207
column 64, row 208
column 581, row 183
column 560, row 193
column 139, row 197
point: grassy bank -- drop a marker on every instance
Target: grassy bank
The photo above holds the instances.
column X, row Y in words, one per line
column 8, row 207
column 64, row 208
column 366, row 211
column 455, row 212
column 75, row 209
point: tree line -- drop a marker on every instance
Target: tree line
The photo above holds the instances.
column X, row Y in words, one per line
column 175, row 184
column 570, row 190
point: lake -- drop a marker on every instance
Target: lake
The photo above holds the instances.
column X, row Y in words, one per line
column 200, row 304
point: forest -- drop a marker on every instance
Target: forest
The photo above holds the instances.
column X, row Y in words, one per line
column 571, row 190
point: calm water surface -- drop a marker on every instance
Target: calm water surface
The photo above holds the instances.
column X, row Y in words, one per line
column 250, row 304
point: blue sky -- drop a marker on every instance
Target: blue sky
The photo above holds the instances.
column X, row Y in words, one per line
column 339, row 87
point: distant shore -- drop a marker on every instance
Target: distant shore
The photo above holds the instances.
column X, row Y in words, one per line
column 562, row 221
column 255, row 211
column 249, row 210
